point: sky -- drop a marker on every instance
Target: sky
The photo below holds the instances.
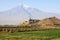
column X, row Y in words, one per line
column 52, row 6
column 48, row 6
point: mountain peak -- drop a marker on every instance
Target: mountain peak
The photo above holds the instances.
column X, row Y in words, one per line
column 25, row 6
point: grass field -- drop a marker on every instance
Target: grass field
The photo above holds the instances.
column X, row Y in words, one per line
column 51, row 34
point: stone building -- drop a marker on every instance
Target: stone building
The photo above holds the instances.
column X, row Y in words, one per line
column 30, row 22
column 7, row 28
column 33, row 21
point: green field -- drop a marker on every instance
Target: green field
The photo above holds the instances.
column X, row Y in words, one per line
column 46, row 34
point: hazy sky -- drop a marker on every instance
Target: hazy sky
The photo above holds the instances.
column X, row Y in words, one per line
column 44, row 5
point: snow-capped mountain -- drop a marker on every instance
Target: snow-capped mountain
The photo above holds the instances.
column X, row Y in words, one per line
column 23, row 12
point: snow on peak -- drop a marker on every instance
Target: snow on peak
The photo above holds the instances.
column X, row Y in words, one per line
column 25, row 6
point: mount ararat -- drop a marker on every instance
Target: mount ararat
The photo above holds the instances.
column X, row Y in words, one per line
column 21, row 13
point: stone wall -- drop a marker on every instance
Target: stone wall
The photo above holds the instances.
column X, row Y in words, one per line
column 8, row 29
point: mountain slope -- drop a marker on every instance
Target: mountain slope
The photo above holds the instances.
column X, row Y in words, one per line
column 13, row 16
column 40, row 14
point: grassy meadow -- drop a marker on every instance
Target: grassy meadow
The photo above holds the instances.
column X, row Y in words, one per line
column 46, row 34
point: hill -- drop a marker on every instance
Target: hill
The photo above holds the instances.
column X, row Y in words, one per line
column 47, row 22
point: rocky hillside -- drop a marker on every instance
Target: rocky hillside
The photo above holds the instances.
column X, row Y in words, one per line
column 47, row 22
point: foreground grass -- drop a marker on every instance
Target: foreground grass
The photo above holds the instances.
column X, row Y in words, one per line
column 47, row 34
